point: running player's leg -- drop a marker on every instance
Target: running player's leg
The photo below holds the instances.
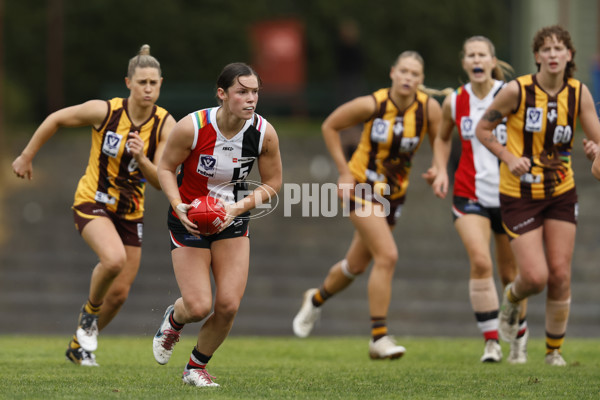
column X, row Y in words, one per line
column 475, row 233
column 531, row 279
column 560, row 241
column 342, row 273
column 340, row 276
column 192, row 272
column 507, row 269
column 101, row 235
column 119, row 289
column 230, row 264
column 376, row 235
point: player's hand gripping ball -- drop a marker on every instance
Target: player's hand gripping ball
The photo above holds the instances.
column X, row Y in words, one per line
column 207, row 213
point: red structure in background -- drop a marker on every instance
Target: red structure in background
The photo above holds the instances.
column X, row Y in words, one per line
column 280, row 60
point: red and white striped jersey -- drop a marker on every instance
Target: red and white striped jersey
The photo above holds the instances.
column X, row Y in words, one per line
column 218, row 166
column 477, row 176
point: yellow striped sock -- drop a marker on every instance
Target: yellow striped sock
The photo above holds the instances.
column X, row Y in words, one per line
column 74, row 343
column 378, row 328
column 91, row 308
column 554, row 342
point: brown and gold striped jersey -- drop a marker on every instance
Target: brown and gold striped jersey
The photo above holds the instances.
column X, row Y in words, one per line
column 542, row 128
column 388, row 142
column 112, row 177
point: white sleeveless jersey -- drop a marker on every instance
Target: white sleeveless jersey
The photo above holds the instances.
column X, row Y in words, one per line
column 477, row 176
column 218, row 166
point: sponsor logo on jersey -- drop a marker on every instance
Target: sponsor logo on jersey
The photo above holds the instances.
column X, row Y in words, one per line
column 374, row 176
column 104, row 198
column 227, row 148
column 552, row 115
column 530, row 178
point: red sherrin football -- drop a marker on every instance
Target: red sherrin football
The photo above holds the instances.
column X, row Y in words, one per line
column 208, row 213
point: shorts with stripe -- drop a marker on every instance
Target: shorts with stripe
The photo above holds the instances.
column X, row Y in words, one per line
column 463, row 205
column 130, row 231
column 520, row 216
column 180, row 237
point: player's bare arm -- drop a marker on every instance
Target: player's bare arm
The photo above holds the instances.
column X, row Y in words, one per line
column 590, row 124
column 505, row 102
column 348, row 114
column 90, row 113
column 442, row 146
column 270, row 170
column 434, row 117
column 176, row 150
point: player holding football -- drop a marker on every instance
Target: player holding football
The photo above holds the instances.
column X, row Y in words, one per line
column 128, row 137
column 216, row 149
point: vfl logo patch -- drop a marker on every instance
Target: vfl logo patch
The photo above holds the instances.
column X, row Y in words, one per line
column 533, row 119
column 379, row 130
column 112, row 142
column 207, row 165
column 466, row 128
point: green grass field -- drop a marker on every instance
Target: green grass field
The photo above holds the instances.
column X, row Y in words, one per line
column 33, row 367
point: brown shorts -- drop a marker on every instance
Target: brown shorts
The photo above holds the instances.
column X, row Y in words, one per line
column 392, row 211
column 130, row 231
column 523, row 215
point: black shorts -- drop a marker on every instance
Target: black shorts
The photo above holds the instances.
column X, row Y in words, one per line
column 130, row 231
column 523, row 215
column 180, row 237
column 463, row 205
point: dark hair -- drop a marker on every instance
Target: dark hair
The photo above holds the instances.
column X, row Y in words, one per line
column 502, row 68
column 231, row 73
column 562, row 35
column 143, row 60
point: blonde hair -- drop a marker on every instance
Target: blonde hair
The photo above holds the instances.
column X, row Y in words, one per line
column 427, row 90
column 143, row 60
column 502, row 68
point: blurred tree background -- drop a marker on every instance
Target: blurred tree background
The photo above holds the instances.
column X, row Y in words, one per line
column 63, row 52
